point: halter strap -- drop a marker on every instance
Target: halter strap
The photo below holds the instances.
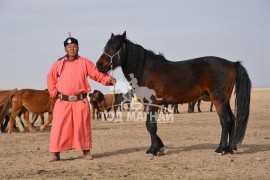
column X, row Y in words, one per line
column 111, row 64
column 111, row 57
column 117, row 53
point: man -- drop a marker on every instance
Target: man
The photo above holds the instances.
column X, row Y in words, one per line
column 67, row 81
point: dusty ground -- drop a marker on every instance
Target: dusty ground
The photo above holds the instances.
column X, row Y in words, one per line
column 119, row 148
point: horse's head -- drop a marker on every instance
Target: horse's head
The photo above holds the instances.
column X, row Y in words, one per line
column 111, row 57
column 97, row 96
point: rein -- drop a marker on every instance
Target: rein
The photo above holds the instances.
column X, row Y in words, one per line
column 111, row 73
column 114, row 83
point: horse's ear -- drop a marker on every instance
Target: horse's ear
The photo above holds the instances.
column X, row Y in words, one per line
column 124, row 35
column 112, row 35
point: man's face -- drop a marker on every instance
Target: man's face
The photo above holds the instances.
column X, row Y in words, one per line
column 72, row 50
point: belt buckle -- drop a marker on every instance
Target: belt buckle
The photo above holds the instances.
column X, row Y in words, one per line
column 72, row 98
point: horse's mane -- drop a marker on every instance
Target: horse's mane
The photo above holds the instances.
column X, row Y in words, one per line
column 136, row 58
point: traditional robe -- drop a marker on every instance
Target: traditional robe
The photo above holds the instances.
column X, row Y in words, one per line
column 71, row 127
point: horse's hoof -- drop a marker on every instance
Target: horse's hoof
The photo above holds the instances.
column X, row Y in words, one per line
column 32, row 130
column 9, row 131
column 234, row 148
column 152, row 151
column 161, row 152
column 218, row 153
column 42, row 128
column 149, row 155
column 229, row 151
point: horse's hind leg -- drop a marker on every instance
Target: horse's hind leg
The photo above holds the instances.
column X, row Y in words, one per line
column 199, row 105
column 211, row 107
column 128, row 106
column 151, row 124
column 42, row 118
column 19, row 123
column 232, row 144
column 191, row 106
column 225, row 121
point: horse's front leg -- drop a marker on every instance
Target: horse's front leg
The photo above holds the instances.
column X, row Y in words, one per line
column 151, row 124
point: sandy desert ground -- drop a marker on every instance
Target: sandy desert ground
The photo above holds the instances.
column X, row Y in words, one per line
column 119, row 149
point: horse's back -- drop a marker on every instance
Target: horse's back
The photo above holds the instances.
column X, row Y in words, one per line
column 185, row 81
column 201, row 64
column 37, row 101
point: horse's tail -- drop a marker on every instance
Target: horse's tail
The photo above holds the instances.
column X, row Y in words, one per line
column 242, row 102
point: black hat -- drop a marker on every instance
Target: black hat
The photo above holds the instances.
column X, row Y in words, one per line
column 70, row 40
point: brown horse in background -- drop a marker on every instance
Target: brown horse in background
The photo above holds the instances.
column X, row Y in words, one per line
column 94, row 107
column 177, row 82
column 31, row 100
column 107, row 101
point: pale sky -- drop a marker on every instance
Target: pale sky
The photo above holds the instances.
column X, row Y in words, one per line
column 32, row 33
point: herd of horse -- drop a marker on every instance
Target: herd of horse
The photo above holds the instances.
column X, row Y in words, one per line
column 104, row 103
column 17, row 103
column 170, row 82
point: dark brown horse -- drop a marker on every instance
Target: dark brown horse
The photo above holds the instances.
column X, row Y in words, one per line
column 31, row 100
column 182, row 82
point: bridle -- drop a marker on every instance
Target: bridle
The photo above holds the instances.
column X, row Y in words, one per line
column 111, row 64
column 111, row 56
